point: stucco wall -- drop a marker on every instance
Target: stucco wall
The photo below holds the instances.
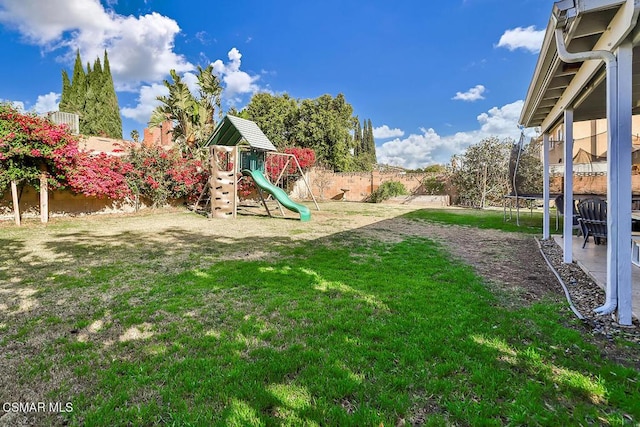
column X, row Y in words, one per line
column 60, row 203
column 357, row 186
column 326, row 185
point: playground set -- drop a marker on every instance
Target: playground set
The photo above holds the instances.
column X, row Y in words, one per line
column 238, row 148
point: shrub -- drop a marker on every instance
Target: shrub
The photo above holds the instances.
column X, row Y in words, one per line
column 99, row 176
column 160, row 175
column 31, row 145
column 387, row 190
column 435, row 184
column 275, row 164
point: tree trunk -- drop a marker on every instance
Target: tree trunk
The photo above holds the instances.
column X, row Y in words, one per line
column 16, row 202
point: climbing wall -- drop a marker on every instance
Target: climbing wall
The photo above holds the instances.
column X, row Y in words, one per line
column 222, row 183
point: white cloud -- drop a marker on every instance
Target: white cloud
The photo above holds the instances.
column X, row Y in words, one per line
column 236, row 82
column 47, row 103
column 141, row 49
column 522, row 38
column 18, row 105
column 147, row 102
column 191, row 80
column 420, row 150
column 384, row 131
column 473, row 94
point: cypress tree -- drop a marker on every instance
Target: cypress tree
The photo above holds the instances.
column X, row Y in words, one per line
column 370, row 142
column 88, row 104
column 92, row 96
column 365, row 138
column 113, row 120
column 357, row 138
column 73, row 100
column 66, row 90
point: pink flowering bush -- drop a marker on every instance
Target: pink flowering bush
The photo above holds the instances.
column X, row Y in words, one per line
column 30, row 145
column 275, row 164
column 100, row 176
column 160, row 175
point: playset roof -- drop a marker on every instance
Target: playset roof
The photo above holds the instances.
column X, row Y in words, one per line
column 233, row 130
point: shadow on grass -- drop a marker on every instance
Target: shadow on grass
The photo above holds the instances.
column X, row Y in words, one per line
column 348, row 329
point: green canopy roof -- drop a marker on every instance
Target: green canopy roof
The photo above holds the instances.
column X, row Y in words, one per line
column 234, row 131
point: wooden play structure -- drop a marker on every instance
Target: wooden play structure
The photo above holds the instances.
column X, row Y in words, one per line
column 239, row 148
column 223, row 183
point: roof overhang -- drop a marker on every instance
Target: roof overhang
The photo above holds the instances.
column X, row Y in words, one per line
column 587, row 25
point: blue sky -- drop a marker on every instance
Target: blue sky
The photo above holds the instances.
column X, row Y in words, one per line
column 433, row 77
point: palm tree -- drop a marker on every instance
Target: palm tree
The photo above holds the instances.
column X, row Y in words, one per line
column 192, row 116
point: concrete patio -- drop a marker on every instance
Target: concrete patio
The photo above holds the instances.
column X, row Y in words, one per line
column 593, row 260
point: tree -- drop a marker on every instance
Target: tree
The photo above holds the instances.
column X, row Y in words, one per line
column 369, row 143
column 112, row 120
column 135, row 135
column 357, row 137
column 481, row 174
column 275, row 115
column 529, row 172
column 92, row 96
column 73, row 92
column 193, row 116
column 324, row 124
column 365, row 147
column 90, row 120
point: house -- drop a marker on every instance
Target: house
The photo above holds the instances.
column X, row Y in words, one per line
column 589, row 137
column 586, row 71
column 159, row 135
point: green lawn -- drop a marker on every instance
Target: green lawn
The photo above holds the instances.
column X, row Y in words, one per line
column 175, row 319
column 529, row 222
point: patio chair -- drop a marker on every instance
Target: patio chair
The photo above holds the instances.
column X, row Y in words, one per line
column 559, row 201
column 593, row 217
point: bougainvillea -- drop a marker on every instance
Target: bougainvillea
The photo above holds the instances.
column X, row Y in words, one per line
column 30, row 145
column 100, row 176
column 276, row 163
column 160, row 175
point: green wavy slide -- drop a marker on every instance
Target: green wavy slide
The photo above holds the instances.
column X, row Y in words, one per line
column 278, row 193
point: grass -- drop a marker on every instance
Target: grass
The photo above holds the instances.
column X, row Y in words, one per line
column 343, row 329
column 530, row 222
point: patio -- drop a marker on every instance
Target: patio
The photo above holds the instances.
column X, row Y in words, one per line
column 593, row 260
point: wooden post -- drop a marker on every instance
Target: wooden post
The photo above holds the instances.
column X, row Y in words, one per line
column 44, row 198
column 16, row 205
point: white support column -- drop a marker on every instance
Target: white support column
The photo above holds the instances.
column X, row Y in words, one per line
column 613, row 191
column 545, row 186
column 567, row 233
column 620, row 214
